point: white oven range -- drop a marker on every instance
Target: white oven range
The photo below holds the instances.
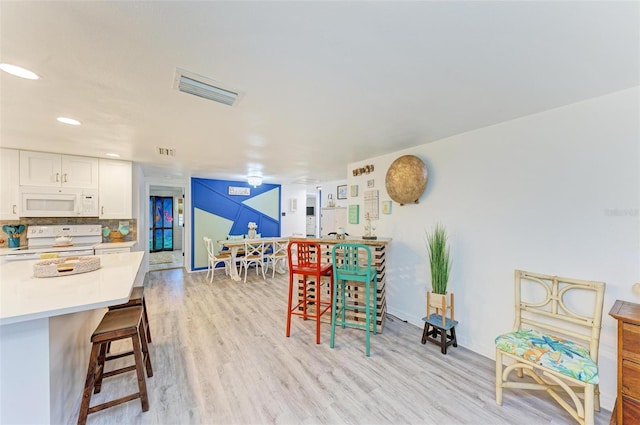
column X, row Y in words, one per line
column 41, row 240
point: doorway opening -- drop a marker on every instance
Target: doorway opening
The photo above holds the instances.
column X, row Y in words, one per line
column 161, row 229
column 166, row 227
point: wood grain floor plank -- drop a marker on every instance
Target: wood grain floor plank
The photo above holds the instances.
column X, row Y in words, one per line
column 220, row 356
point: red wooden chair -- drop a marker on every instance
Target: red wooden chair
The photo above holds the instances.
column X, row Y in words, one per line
column 305, row 260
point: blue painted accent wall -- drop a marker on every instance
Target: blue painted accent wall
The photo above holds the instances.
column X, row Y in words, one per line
column 212, row 197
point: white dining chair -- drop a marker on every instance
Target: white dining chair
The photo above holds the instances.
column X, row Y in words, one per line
column 214, row 259
column 253, row 255
column 278, row 254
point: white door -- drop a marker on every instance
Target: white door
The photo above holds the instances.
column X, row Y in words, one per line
column 331, row 219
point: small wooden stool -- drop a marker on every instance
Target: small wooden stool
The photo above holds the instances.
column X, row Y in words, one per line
column 115, row 325
column 433, row 328
column 439, row 324
column 136, row 298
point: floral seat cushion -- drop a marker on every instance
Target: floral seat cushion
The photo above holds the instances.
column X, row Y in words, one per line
column 561, row 355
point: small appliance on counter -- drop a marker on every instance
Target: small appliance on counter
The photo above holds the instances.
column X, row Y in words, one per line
column 13, row 231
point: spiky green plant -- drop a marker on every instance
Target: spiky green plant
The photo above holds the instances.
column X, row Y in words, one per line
column 439, row 258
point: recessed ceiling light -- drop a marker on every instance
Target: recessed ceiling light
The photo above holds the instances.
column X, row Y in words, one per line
column 18, row 71
column 113, row 155
column 69, row 121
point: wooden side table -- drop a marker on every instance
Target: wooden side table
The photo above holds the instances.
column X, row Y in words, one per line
column 627, row 409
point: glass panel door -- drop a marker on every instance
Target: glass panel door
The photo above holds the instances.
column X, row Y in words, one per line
column 161, row 219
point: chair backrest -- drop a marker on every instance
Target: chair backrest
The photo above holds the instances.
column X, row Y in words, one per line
column 209, row 243
column 304, row 255
column 278, row 248
column 351, row 258
column 564, row 307
column 253, row 249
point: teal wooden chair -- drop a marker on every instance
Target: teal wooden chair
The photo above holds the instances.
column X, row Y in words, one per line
column 352, row 263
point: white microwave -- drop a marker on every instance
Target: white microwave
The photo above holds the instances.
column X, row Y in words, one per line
column 58, row 202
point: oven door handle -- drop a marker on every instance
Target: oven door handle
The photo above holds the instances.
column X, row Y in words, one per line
column 22, row 257
column 84, row 252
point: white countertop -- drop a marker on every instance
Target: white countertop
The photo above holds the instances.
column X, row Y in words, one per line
column 107, row 245
column 5, row 250
column 24, row 297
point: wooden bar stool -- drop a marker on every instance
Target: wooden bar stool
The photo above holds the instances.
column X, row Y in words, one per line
column 137, row 298
column 115, row 325
column 307, row 262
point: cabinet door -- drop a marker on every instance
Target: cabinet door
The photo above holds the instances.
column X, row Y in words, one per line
column 40, row 169
column 79, row 171
column 9, row 183
column 115, row 190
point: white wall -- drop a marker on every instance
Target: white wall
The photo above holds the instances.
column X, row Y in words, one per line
column 293, row 222
column 556, row 192
column 140, row 206
column 331, row 188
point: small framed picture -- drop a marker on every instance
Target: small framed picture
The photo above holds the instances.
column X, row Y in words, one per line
column 386, row 207
column 342, row 192
column 370, row 183
column 354, row 190
column 354, row 214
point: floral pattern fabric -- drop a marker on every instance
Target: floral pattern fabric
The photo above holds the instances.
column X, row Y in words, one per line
column 559, row 354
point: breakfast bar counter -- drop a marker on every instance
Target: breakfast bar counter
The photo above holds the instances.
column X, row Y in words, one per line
column 45, row 330
column 379, row 252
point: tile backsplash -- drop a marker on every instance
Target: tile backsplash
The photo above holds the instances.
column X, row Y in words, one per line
column 44, row 221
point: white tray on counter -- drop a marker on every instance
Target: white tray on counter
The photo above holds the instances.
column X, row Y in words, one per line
column 56, row 267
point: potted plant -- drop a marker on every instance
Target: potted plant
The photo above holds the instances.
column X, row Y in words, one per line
column 440, row 263
column 439, row 259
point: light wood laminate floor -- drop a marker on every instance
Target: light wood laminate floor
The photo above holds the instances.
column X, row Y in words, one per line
column 220, row 356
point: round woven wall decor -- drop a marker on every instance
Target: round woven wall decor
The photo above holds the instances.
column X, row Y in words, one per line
column 406, row 179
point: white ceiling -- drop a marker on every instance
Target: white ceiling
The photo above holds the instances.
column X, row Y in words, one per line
column 325, row 83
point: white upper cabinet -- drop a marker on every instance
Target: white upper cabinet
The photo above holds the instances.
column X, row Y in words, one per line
column 9, row 184
column 54, row 170
column 115, row 191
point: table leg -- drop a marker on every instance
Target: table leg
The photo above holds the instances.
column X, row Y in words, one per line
column 233, row 269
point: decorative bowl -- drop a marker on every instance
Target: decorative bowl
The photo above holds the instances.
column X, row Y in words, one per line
column 116, row 235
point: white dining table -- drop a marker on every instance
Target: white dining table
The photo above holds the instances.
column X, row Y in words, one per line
column 235, row 245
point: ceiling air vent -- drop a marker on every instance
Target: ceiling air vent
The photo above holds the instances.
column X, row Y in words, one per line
column 197, row 85
column 165, row 151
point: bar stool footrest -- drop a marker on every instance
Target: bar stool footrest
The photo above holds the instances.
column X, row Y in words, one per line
column 115, row 402
column 119, row 371
column 119, row 355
